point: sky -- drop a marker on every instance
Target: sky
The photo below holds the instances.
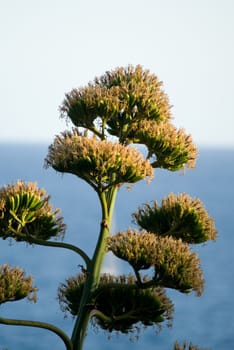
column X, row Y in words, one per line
column 49, row 47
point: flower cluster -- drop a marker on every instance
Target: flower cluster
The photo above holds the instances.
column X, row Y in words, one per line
column 14, row 285
column 118, row 303
column 179, row 216
column 101, row 163
column 175, row 266
column 70, row 293
column 129, row 103
column 172, row 149
column 25, row 212
column 117, row 99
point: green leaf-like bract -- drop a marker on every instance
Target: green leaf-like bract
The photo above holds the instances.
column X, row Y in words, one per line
column 25, row 212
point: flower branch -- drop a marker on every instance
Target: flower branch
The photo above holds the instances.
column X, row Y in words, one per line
column 43, row 325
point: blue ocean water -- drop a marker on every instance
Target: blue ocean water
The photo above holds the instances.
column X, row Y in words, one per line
column 207, row 321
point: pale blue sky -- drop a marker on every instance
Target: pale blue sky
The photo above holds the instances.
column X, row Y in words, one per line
column 50, row 46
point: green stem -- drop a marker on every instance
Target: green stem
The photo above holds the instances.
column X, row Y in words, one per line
column 101, row 315
column 107, row 200
column 38, row 324
column 138, row 276
column 61, row 245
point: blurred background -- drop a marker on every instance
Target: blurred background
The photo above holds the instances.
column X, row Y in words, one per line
column 50, row 47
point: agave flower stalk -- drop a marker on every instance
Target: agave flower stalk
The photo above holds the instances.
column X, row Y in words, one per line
column 123, row 108
column 107, row 200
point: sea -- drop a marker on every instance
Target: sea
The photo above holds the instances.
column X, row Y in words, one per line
column 206, row 321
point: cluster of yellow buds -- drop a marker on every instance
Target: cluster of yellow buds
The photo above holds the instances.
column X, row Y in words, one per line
column 179, row 216
column 175, row 266
column 101, row 163
column 130, row 104
column 170, row 148
column 118, row 98
column 25, row 212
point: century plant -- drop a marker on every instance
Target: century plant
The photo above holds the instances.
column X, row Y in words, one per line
column 112, row 116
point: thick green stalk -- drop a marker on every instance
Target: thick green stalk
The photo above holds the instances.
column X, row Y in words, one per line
column 107, row 200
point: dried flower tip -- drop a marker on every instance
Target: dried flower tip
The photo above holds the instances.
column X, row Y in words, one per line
column 185, row 346
column 14, row 285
